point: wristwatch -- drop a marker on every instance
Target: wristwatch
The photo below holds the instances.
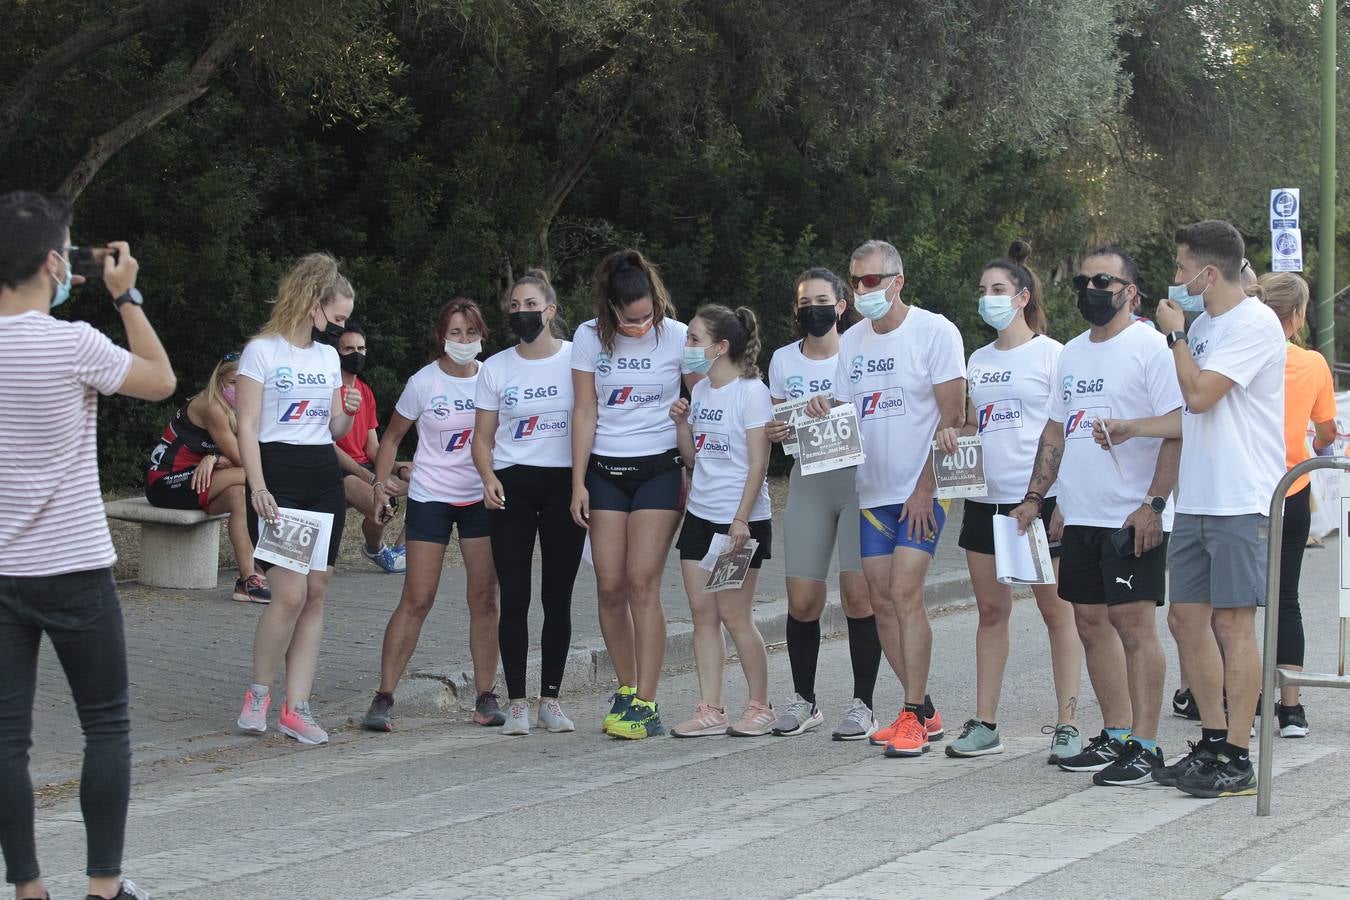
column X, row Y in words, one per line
column 1157, row 504
column 1175, row 336
column 131, row 296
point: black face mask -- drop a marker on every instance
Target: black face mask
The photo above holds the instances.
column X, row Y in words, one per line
column 353, row 363
column 817, row 320
column 330, row 334
column 1097, row 306
column 526, row 325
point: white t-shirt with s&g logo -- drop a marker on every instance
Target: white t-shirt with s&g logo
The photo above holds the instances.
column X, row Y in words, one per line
column 890, row 378
column 635, row 385
column 533, row 402
column 298, row 385
column 1010, row 392
column 794, row 375
column 443, row 408
column 719, row 418
column 1130, row 376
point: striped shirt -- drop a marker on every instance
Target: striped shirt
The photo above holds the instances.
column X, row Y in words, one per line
column 51, row 511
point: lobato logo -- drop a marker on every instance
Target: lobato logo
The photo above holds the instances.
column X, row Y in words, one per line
column 301, row 410
column 634, row 395
column 882, row 404
column 712, row 445
column 999, row 415
column 458, row 440
column 1078, row 424
column 544, row 425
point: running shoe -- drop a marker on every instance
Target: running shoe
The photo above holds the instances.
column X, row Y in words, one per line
column 932, row 721
column 1198, row 756
column 551, row 716
column 386, row 559
column 641, row 720
column 380, row 716
column 1136, row 765
column 799, row 716
column 1219, row 777
column 706, row 721
column 859, row 723
column 910, row 737
column 517, row 721
column 401, row 551
column 1184, row 706
column 618, row 705
column 298, row 722
column 253, row 717
column 1100, row 752
column 487, row 710
column 882, row 736
column 1065, row 742
column 977, row 739
column 127, row 890
column 757, row 720
column 252, row 589
column 1292, row 720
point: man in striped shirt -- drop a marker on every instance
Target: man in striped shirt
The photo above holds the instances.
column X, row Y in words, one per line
column 55, row 550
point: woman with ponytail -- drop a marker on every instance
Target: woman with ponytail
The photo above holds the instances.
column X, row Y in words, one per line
column 721, row 429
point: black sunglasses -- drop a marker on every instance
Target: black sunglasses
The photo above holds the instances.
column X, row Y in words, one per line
column 1101, row 281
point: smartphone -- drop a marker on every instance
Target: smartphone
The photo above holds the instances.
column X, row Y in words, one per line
column 1123, row 541
column 88, row 261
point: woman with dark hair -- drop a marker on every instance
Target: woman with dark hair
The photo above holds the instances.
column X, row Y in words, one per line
column 1010, row 382
column 627, row 475
column 445, row 492
column 721, row 429
column 523, row 453
column 821, row 520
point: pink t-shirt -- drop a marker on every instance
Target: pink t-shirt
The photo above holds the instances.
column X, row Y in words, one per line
column 51, row 510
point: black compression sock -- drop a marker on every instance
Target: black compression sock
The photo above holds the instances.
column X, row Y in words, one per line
column 1213, row 738
column 1239, row 755
column 864, row 650
column 803, row 640
column 928, row 709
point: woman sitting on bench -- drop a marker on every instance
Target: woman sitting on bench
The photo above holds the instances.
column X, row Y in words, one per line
column 196, row 465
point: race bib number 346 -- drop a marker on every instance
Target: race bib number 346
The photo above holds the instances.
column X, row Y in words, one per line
column 831, row 442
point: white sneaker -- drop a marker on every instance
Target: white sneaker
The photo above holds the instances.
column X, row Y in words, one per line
column 253, row 717
column 551, row 716
column 517, row 719
column 859, row 723
column 800, row 715
column 298, row 722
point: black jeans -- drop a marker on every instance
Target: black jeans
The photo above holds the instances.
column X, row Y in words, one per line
column 1297, row 523
column 80, row 613
column 538, row 501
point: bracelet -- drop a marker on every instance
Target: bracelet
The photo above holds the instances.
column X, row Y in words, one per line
column 259, row 491
column 742, row 521
column 377, row 484
column 1033, row 497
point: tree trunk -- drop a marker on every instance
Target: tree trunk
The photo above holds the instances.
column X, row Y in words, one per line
column 88, row 40
column 103, row 147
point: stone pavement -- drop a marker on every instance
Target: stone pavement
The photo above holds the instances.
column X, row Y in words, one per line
column 189, row 652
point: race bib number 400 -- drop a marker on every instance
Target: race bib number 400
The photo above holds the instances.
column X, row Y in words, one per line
column 960, row 474
column 831, row 442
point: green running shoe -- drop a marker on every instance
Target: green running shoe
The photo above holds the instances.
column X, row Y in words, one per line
column 619, row 703
column 640, row 720
column 977, row 739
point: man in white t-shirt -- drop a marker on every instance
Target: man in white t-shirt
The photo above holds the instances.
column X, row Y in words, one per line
column 56, row 554
column 904, row 368
column 1230, row 367
column 1113, row 557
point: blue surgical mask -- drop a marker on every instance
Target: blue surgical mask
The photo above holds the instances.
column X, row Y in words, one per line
column 873, row 304
column 696, row 360
column 63, row 287
column 1180, row 295
column 997, row 311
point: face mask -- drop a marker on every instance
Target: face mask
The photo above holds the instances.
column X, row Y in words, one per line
column 636, row 331
column 1180, row 295
column 353, row 363
column 63, row 287
column 228, row 393
column 330, row 334
column 874, row 304
column 1097, row 306
column 817, row 320
column 462, row 354
column 997, row 311
column 526, row 325
column 696, row 360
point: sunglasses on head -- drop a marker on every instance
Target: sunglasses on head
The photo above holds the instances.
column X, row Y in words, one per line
column 232, row 356
column 1101, row 281
column 870, row 282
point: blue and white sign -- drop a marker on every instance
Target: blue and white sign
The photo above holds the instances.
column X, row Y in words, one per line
column 1286, row 250
column 1284, row 209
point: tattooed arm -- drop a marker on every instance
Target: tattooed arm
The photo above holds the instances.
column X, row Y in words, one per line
column 1049, row 453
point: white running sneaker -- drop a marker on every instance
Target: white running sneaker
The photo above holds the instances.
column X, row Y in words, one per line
column 757, row 719
column 253, row 717
column 298, row 722
column 859, row 723
column 551, row 716
column 517, row 719
column 799, row 716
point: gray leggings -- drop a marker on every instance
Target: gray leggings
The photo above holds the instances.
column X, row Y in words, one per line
column 822, row 517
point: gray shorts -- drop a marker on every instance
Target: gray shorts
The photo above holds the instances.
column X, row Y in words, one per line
column 821, row 517
column 1219, row 560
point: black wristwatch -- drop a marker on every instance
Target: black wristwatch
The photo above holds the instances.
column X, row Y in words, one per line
column 1175, row 336
column 1157, row 504
column 131, row 296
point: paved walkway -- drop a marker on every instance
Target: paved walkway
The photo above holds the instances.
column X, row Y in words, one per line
column 189, row 652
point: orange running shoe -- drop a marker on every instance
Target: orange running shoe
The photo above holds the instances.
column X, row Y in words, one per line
column 910, row 738
column 881, row 736
column 933, row 724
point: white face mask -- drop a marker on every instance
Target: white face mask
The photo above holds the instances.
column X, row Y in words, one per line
column 460, row 354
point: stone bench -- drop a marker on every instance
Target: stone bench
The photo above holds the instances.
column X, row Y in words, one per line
column 180, row 548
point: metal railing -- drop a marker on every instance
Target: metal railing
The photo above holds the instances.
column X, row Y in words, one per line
column 1272, row 679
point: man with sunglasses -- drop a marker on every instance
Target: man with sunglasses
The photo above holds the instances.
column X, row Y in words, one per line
column 1113, row 561
column 904, row 369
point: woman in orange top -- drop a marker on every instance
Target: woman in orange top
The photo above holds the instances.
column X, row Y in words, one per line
column 1309, row 396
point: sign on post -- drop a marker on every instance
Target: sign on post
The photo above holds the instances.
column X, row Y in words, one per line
column 1345, row 545
column 1286, row 239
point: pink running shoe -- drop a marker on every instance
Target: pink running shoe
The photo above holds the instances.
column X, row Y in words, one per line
column 299, row 723
column 253, row 718
column 757, row 720
column 707, row 720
